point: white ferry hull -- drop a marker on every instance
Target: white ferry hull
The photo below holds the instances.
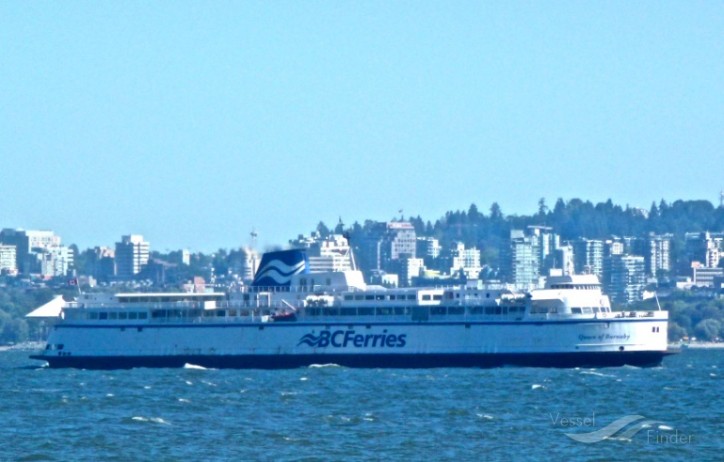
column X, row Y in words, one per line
column 569, row 343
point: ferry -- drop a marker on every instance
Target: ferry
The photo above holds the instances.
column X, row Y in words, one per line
column 290, row 317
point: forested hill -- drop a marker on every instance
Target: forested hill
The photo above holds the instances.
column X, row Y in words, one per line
column 572, row 219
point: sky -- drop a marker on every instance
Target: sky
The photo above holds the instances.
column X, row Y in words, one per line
column 193, row 123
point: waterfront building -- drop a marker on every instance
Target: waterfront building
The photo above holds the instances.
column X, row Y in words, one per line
column 705, row 276
column 131, row 256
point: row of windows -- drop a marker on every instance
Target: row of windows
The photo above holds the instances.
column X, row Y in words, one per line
column 173, row 314
column 589, row 310
column 404, row 310
column 387, row 311
column 114, row 315
column 359, row 297
column 575, row 286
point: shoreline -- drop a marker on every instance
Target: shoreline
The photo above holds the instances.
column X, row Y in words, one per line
column 699, row 345
column 23, row 346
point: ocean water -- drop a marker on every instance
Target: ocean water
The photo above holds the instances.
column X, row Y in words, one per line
column 673, row 412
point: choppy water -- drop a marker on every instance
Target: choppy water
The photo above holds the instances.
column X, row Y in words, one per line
column 334, row 413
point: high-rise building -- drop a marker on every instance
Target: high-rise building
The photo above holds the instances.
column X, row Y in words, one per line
column 531, row 254
column 384, row 244
column 588, row 256
column 428, row 248
column 131, row 256
column 522, row 262
column 103, row 263
column 624, row 278
column 704, row 247
column 466, row 260
column 657, row 254
column 562, row 258
column 38, row 252
column 330, row 253
column 8, row 261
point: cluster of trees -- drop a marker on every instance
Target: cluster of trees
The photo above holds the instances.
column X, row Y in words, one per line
column 572, row 219
column 690, row 315
column 15, row 303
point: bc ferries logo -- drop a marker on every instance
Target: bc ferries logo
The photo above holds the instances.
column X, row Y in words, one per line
column 349, row 337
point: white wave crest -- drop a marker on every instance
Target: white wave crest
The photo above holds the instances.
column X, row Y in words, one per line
column 194, row 366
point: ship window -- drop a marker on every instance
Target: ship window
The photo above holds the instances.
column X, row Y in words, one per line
column 366, row 311
column 103, row 315
column 112, row 315
column 384, row 311
column 379, row 297
column 332, row 312
column 392, row 297
column 348, row 297
column 498, row 310
column 232, row 313
column 411, row 297
column 132, row 315
column 143, row 315
column 576, row 310
column 369, row 297
column 437, row 297
column 438, row 311
column 122, row 315
column 313, row 311
column 456, row 310
column 587, row 309
column 426, row 297
column 401, row 310
column 475, row 310
column 348, row 312
column 489, row 310
column 359, row 297
column 596, row 309
column 208, row 313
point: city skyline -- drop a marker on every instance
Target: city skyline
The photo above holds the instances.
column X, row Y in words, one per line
column 195, row 124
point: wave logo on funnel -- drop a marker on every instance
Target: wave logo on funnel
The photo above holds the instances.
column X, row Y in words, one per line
column 278, row 268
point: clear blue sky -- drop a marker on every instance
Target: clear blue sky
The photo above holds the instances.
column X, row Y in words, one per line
column 192, row 122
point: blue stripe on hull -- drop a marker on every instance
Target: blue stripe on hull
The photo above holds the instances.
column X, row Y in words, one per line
column 606, row 359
